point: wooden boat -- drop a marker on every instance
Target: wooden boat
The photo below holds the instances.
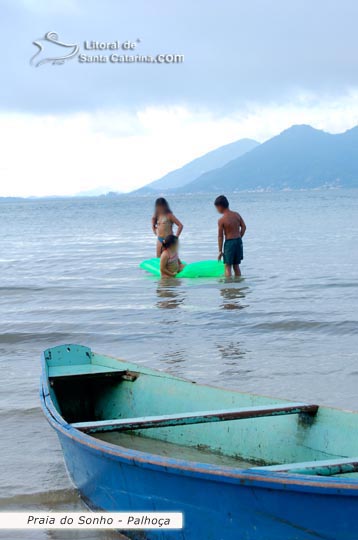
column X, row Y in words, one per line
column 239, row 466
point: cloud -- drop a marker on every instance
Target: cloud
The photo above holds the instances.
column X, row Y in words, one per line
column 251, row 69
column 234, row 54
column 66, row 154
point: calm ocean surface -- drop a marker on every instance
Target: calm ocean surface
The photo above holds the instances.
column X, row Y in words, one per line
column 69, row 273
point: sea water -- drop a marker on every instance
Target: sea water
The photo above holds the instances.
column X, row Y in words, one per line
column 69, row 274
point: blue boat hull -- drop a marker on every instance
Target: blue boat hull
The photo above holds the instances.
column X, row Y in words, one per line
column 286, row 501
column 214, row 508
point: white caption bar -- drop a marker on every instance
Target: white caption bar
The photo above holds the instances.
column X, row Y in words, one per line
column 91, row 520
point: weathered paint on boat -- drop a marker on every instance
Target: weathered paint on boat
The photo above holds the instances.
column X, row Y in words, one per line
column 291, row 496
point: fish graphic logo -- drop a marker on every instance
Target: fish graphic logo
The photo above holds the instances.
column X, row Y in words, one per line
column 43, row 43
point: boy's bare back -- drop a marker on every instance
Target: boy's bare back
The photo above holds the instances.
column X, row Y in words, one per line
column 232, row 225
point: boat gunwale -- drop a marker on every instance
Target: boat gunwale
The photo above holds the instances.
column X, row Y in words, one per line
column 246, row 477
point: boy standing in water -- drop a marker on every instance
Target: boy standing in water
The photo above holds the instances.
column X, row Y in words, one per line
column 232, row 227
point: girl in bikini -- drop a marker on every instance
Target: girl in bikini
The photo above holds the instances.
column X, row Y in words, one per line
column 170, row 264
column 163, row 221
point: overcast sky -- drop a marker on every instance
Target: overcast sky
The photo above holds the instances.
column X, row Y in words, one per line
column 251, row 69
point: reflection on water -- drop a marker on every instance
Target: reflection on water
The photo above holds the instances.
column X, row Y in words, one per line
column 171, row 296
column 171, row 358
column 233, row 295
column 170, row 293
column 231, row 352
column 235, row 362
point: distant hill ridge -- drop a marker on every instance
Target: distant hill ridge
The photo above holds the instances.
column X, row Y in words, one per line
column 299, row 157
column 189, row 172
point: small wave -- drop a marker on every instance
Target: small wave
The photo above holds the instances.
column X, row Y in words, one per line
column 19, row 412
column 294, row 325
column 4, row 290
column 317, row 288
column 42, row 497
column 26, row 337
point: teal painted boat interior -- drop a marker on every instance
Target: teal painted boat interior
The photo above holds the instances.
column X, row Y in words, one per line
column 84, row 387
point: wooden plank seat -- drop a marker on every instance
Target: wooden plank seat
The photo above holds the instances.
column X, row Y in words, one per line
column 327, row 467
column 97, row 372
column 182, row 419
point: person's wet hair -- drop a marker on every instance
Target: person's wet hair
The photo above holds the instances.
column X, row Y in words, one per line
column 221, row 201
column 170, row 240
column 162, row 203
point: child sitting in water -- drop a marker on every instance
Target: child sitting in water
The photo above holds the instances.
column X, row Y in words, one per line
column 163, row 221
column 170, row 264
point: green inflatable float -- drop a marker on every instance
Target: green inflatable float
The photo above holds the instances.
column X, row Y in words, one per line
column 199, row 269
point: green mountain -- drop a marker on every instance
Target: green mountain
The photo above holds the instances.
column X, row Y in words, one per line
column 214, row 159
column 300, row 157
